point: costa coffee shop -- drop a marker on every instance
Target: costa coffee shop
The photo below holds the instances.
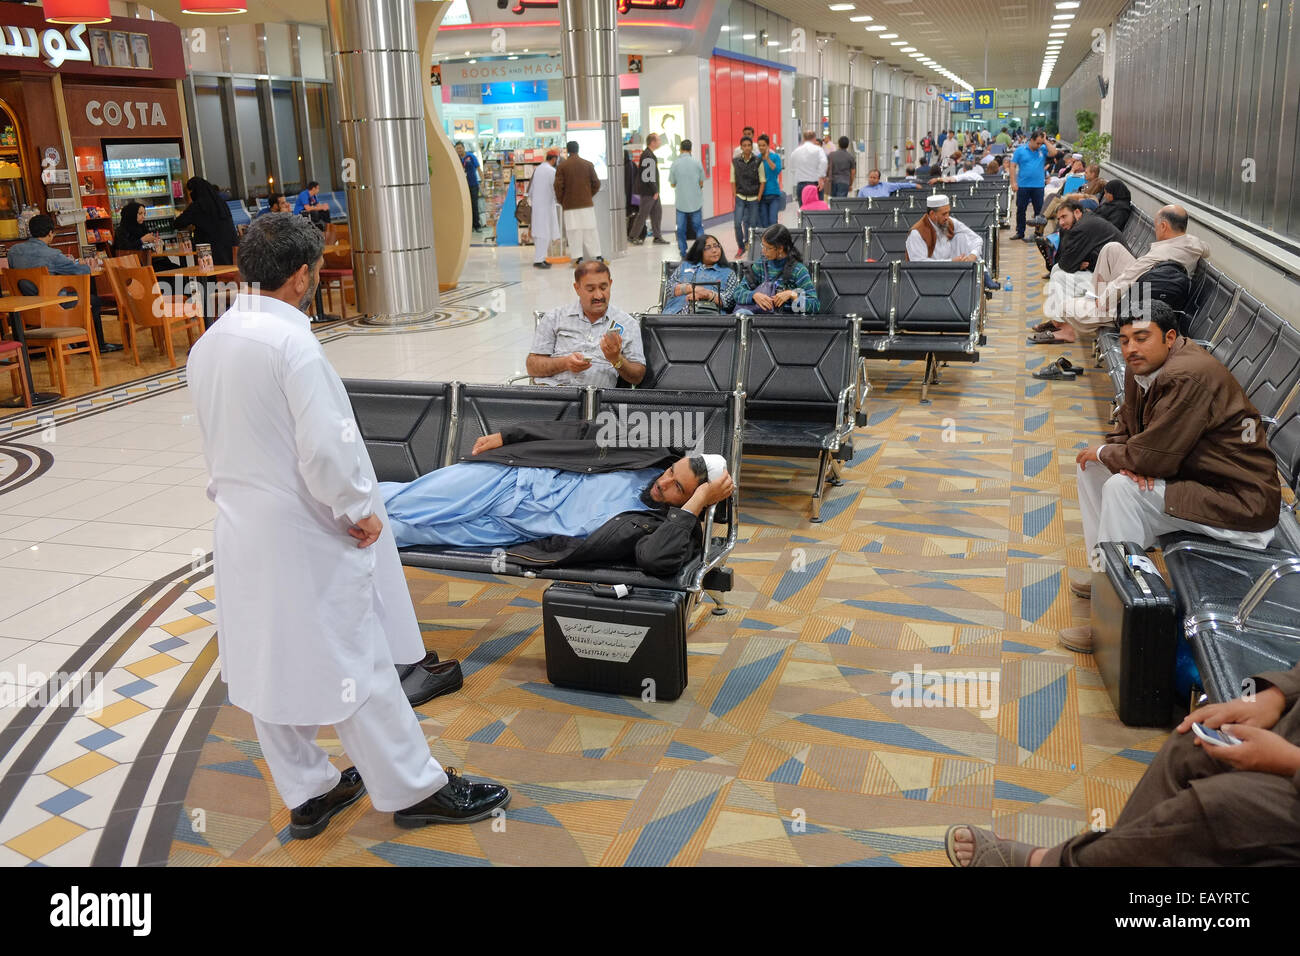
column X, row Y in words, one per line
column 91, row 118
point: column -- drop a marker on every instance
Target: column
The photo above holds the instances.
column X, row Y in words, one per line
column 841, row 117
column 589, row 50
column 386, row 174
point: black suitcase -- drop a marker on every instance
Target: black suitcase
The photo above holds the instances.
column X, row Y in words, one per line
column 1134, row 634
column 633, row 645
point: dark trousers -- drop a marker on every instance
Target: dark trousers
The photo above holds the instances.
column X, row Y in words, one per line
column 650, row 209
column 1191, row 810
column 769, row 209
column 1024, row 196
column 839, row 189
column 473, row 204
column 744, row 217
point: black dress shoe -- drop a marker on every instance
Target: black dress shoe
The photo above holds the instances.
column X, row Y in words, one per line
column 109, row 347
column 428, row 681
column 541, row 265
column 660, row 242
column 458, row 802
column 404, row 669
column 313, row 816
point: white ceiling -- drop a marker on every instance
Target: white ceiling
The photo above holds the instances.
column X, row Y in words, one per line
column 957, row 32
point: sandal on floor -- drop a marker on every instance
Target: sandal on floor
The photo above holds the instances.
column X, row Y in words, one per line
column 1048, row 326
column 1045, row 338
column 1054, row 373
column 989, row 849
column 1069, row 367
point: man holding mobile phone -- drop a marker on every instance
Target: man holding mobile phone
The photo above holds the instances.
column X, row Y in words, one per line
column 1198, row 804
column 588, row 342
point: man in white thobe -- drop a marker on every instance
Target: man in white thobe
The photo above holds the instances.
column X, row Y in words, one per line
column 541, row 194
column 938, row 237
column 313, row 609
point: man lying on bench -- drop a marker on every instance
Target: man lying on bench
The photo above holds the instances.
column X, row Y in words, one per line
column 560, row 493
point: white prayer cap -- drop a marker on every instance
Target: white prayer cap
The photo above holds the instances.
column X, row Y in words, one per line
column 716, row 465
column 937, row 201
column 1076, row 156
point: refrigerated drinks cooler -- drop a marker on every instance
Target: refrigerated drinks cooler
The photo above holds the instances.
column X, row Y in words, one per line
column 150, row 174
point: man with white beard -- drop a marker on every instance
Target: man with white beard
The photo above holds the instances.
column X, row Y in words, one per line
column 313, row 609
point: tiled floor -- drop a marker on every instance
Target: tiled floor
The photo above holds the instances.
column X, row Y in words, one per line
column 934, row 553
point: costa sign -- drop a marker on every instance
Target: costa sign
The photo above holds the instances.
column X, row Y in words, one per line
column 132, row 114
column 59, row 47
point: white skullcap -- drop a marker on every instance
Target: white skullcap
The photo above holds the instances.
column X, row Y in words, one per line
column 937, row 201
column 1077, row 156
column 716, row 466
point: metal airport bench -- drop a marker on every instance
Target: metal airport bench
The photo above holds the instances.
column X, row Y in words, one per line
column 413, row 428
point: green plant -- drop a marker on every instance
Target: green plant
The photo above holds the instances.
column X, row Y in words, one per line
column 1094, row 146
column 1086, row 120
column 1052, row 127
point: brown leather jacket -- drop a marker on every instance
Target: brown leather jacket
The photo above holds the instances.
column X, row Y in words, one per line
column 575, row 183
column 1195, row 428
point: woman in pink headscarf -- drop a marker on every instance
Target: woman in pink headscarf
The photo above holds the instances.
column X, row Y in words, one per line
column 809, row 199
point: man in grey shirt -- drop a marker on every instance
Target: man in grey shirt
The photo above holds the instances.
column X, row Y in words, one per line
column 686, row 176
column 843, row 166
column 587, row 342
column 36, row 252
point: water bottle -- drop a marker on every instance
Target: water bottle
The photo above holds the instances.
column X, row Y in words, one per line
column 1006, row 287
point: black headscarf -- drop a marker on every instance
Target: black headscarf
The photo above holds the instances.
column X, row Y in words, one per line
column 129, row 231
column 1119, row 207
column 204, row 195
column 210, row 217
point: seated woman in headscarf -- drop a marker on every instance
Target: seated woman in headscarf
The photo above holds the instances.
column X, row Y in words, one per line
column 1116, row 205
column 779, row 282
column 210, row 217
column 809, row 199
column 132, row 233
column 704, row 279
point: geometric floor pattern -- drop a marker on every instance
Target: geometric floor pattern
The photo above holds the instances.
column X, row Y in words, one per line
column 803, row 736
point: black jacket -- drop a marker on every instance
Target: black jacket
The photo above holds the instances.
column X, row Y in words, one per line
column 647, row 174
column 1082, row 242
column 660, row 543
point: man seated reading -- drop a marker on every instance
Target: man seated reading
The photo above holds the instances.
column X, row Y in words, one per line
column 1188, row 453
column 562, row 492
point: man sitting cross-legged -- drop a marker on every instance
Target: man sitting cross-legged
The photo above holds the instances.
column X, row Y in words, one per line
column 564, row 492
column 1188, row 453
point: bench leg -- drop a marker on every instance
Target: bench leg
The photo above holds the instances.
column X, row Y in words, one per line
column 926, row 379
column 835, row 478
column 719, row 600
column 821, row 485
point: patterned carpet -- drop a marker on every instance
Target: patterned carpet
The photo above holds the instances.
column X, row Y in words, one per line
column 805, row 735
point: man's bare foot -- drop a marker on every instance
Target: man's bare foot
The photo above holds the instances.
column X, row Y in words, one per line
column 964, row 845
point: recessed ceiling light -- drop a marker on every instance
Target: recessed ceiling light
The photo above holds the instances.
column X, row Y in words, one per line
column 876, row 29
column 1057, row 35
column 515, row 56
column 861, row 19
column 915, row 56
column 748, row 36
column 908, row 49
column 769, row 43
column 1063, row 16
column 1072, row 5
column 899, row 43
column 725, row 28
column 888, row 36
column 840, row 7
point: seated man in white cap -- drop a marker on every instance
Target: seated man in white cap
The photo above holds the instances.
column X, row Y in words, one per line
column 938, row 237
column 589, row 492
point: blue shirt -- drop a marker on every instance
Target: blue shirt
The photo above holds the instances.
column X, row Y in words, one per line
column 771, row 182
column 33, row 253
column 304, row 199
column 1030, row 162
column 470, row 165
column 883, row 190
column 483, row 504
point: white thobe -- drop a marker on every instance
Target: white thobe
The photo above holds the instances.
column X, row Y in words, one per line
column 546, row 225
column 300, row 607
column 964, row 242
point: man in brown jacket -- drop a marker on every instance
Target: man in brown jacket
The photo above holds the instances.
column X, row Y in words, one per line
column 1188, row 453
column 1198, row 804
column 576, row 183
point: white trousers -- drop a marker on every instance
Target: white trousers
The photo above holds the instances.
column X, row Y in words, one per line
column 580, row 228
column 1113, row 508
column 383, row 739
column 1088, row 314
column 1062, row 288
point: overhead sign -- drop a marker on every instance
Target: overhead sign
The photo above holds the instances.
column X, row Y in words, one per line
column 624, row 6
column 502, row 70
column 954, row 97
column 122, row 47
column 961, row 106
column 984, row 99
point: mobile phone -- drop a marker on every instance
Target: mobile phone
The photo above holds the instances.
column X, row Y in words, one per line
column 1218, row 738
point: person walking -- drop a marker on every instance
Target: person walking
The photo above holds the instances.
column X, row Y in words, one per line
column 541, row 194
column 469, row 163
column 647, row 187
column 686, row 176
column 576, row 183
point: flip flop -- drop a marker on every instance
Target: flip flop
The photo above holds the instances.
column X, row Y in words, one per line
column 989, row 849
column 1048, row 326
column 1054, row 373
column 1066, row 365
column 1045, row 338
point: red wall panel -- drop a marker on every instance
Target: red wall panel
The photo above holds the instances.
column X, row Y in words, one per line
column 743, row 94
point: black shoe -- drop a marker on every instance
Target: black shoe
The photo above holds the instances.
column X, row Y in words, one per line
column 541, row 265
column 313, row 816
column 109, row 347
column 1036, row 221
column 431, row 680
column 635, row 242
column 1018, row 237
column 660, row 242
column 404, row 669
column 458, row 802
